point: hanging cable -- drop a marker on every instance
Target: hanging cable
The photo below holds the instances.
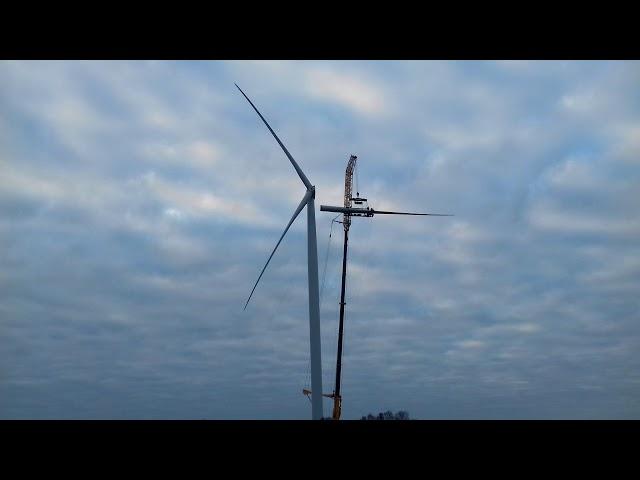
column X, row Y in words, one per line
column 324, row 274
column 326, row 257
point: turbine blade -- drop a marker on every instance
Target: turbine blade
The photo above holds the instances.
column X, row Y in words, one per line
column 409, row 213
column 304, row 201
column 301, row 174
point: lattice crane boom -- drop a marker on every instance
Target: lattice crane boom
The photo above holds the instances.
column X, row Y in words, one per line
column 348, row 190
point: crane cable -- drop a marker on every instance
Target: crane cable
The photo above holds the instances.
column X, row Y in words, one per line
column 324, row 273
column 326, row 257
column 357, row 182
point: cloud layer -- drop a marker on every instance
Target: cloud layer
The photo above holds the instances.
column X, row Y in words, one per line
column 139, row 201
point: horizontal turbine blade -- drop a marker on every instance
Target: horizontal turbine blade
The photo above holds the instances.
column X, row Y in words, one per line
column 301, row 174
column 370, row 212
column 409, row 213
column 304, row 201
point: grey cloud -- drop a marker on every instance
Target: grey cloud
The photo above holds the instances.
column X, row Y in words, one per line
column 140, row 200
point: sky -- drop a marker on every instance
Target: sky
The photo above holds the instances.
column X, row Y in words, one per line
column 139, row 201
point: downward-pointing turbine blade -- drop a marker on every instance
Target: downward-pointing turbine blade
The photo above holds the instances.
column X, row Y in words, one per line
column 301, row 174
column 409, row 213
column 304, row 201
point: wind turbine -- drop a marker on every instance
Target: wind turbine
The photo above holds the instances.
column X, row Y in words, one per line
column 312, row 269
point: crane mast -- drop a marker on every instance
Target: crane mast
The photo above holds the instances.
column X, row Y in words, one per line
column 346, row 223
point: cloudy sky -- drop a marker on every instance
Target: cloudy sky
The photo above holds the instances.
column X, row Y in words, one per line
column 139, row 201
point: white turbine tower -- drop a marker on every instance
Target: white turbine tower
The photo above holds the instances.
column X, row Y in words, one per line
column 312, row 265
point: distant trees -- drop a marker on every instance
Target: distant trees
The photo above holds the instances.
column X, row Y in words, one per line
column 388, row 415
column 402, row 415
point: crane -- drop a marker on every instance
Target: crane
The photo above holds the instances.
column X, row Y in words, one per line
column 361, row 209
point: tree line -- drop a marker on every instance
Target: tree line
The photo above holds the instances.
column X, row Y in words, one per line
column 388, row 415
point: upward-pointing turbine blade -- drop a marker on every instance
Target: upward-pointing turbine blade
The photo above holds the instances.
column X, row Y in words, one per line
column 304, row 201
column 409, row 213
column 301, row 174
